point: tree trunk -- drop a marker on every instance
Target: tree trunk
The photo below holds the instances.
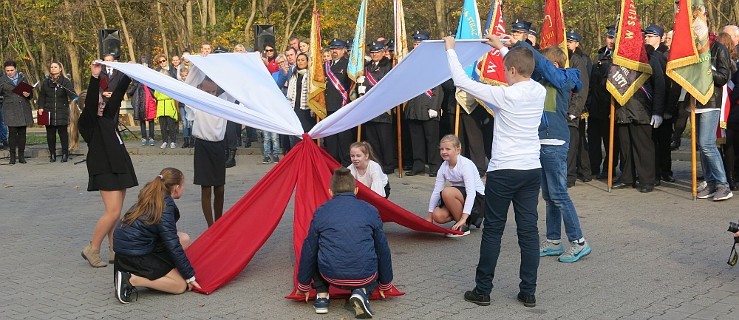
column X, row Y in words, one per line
column 250, row 22
column 129, row 41
column 32, row 69
column 44, row 58
column 441, row 18
column 161, row 29
column 212, row 12
column 188, row 18
column 203, row 9
column 102, row 13
column 291, row 25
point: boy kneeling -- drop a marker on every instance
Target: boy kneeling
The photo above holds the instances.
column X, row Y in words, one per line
column 345, row 248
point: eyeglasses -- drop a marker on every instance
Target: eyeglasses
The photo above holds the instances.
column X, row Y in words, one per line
column 281, row 62
column 269, row 50
column 160, row 61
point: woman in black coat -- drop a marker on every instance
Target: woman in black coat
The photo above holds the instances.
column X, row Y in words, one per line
column 16, row 110
column 108, row 164
column 54, row 96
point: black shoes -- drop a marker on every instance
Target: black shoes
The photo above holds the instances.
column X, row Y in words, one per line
column 529, row 300
column 21, row 158
column 230, row 158
column 432, row 174
column 414, row 173
column 674, row 145
column 668, row 178
column 646, row 188
column 123, row 288
column 65, row 157
column 476, row 298
column 52, row 157
column 570, row 184
column 12, row 158
column 621, row 185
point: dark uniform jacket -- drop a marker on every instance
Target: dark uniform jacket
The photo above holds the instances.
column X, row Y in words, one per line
column 54, row 97
column 642, row 105
column 334, row 99
column 378, row 72
column 599, row 99
column 16, row 108
column 418, row 107
column 581, row 62
column 105, row 152
column 113, row 81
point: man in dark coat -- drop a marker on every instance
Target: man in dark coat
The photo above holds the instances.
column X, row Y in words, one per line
column 378, row 131
column 422, row 118
column 599, row 108
column 338, row 84
column 578, row 160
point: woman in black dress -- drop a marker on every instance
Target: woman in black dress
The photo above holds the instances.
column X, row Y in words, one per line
column 108, row 164
column 55, row 94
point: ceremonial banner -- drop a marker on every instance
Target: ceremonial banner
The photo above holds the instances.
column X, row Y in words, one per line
column 725, row 110
column 553, row 27
column 317, row 83
column 356, row 57
column 630, row 67
column 469, row 26
column 689, row 63
column 490, row 69
column 401, row 42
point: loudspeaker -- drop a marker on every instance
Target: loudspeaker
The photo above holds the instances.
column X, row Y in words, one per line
column 264, row 34
column 109, row 42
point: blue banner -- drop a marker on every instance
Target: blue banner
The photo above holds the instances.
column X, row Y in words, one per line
column 356, row 57
column 469, row 27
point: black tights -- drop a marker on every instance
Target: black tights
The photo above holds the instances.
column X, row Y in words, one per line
column 214, row 213
column 732, row 138
column 17, row 138
column 51, row 132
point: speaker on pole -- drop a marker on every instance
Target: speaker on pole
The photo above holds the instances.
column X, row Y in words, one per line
column 264, row 34
column 109, row 42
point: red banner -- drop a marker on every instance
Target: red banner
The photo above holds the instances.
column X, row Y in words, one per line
column 490, row 68
column 553, row 26
column 689, row 63
column 630, row 61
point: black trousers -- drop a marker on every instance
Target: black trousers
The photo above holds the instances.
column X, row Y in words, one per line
column 470, row 133
column 598, row 132
column 578, row 160
column 681, row 122
column 17, row 139
column 321, row 285
column 425, row 144
column 637, row 152
column 730, row 152
column 233, row 135
column 51, row 132
column 170, row 129
column 380, row 137
column 662, row 137
column 338, row 145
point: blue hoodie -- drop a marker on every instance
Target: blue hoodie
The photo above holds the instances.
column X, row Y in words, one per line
column 560, row 83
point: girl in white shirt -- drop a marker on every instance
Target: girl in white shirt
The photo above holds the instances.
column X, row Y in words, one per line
column 462, row 201
column 366, row 170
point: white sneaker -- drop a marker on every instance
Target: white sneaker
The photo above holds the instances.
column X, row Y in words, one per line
column 172, row 145
column 164, row 145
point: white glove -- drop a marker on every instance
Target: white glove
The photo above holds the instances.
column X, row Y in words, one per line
column 361, row 89
column 360, row 79
column 433, row 113
column 572, row 117
column 656, row 121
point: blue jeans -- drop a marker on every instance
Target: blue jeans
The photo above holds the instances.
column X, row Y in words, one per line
column 271, row 143
column 554, row 191
column 3, row 128
column 186, row 125
column 501, row 188
column 143, row 129
column 711, row 162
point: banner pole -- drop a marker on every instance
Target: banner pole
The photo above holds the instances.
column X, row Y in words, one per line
column 694, row 178
column 612, row 120
column 359, row 133
column 400, row 142
column 456, row 121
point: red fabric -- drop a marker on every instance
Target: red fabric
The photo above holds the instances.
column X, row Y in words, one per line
column 630, row 43
column 150, row 104
column 223, row 250
column 490, row 69
column 553, row 26
column 683, row 44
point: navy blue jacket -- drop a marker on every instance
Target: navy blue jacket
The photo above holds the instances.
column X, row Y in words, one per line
column 139, row 238
column 564, row 82
column 345, row 242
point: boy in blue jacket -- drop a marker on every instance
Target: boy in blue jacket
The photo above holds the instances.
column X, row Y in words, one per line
column 345, row 248
column 554, row 137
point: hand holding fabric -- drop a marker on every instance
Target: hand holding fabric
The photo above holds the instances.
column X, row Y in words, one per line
column 656, row 121
column 433, row 113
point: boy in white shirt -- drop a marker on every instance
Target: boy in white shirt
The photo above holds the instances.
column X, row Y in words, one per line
column 514, row 172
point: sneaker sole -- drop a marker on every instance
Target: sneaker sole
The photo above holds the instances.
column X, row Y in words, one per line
column 360, row 308
column 321, row 310
column 450, row 235
column 727, row 197
column 706, row 196
column 582, row 253
column 117, row 288
column 479, row 303
column 551, row 253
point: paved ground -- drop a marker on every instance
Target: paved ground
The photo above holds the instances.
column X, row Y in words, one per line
column 655, row 256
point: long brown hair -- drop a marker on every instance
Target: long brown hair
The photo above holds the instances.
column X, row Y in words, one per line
column 726, row 40
column 150, row 204
column 366, row 149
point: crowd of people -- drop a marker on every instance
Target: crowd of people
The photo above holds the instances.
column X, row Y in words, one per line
column 546, row 129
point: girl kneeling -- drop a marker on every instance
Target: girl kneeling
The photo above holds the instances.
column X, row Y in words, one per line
column 150, row 251
column 366, row 170
column 462, row 201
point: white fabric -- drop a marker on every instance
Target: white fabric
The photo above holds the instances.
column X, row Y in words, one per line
column 200, row 100
column 518, row 110
column 464, row 174
column 421, row 70
column 373, row 178
column 208, row 127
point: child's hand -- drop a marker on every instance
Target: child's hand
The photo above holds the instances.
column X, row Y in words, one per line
column 449, row 42
column 306, row 293
column 193, row 284
column 382, row 293
column 459, row 224
column 430, row 218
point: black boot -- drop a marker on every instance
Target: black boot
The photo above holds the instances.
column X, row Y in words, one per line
column 231, row 160
column 192, row 142
column 52, row 156
column 65, row 156
column 185, row 143
column 12, row 157
column 21, row 158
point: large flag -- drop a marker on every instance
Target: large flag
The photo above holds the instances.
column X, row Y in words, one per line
column 317, row 84
column 401, row 42
column 553, row 26
column 490, row 68
column 356, row 58
column 469, row 26
column 689, row 63
column 630, row 67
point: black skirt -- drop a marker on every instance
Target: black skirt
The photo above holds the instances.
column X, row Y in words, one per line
column 209, row 163
column 477, row 207
column 114, row 181
column 151, row 266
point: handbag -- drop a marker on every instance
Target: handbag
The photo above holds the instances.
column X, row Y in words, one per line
column 44, row 119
